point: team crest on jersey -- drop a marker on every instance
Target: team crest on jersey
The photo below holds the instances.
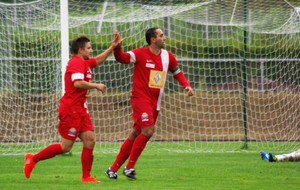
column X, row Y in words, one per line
column 72, row 132
column 145, row 117
column 89, row 73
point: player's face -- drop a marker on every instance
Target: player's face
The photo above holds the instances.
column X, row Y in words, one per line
column 87, row 50
column 160, row 39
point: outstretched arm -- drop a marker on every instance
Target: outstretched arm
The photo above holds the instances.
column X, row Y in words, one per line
column 122, row 57
column 103, row 56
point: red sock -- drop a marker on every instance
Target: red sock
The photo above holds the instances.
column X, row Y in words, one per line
column 48, row 152
column 137, row 148
column 123, row 155
column 86, row 162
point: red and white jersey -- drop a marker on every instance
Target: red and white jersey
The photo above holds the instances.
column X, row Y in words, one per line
column 149, row 73
column 74, row 99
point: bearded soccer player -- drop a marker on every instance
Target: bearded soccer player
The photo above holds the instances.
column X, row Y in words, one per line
column 74, row 118
column 151, row 65
column 289, row 157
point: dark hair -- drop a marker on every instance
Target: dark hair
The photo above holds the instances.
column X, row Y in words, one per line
column 150, row 33
column 77, row 43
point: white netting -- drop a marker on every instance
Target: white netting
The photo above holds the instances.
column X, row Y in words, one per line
column 253, row 94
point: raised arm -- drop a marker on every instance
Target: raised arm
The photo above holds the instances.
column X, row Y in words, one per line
column 115, row 42
column 122, row 57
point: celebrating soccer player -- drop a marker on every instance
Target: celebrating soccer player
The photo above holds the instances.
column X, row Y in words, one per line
column 151, row 65
column 74, row 118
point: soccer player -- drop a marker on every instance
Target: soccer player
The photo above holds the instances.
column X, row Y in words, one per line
column 291, row 157
column 74, row 118
column 151, row 65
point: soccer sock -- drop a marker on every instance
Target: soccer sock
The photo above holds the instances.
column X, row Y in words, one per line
column 137, row 148
column 123, row 155
column 86, row 162
column 48, row 152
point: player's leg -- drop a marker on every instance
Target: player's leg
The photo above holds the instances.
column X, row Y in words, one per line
column 139, row 145
column 137, row 149
column 47, row 153
column 88, row 139
column 68, row 135
column 297, row 156
column 123, row 154
column 292, row 157
column 145, row 116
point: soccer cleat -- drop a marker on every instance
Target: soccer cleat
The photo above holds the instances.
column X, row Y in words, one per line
column 28, row 165
column 272, row 158
column 111, row 174
column 264, row 156
column 129, row 173
column 89, row 180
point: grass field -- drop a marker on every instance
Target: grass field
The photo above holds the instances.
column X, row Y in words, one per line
column 157, row 170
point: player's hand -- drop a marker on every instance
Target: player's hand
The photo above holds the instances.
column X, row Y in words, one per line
column 190, row 91
column 117, row 41
column 101, row 87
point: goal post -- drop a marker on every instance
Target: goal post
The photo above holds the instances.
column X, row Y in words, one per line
column 64, row 30
column 244, row 67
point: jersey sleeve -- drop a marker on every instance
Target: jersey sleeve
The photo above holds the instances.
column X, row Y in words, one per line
column 173, row 62
column 177, row 73
column 126, row 57
column 122, row 57
column 92, row 62
column 76, row 70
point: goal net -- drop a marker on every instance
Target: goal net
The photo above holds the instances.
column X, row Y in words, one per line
column 241, row 57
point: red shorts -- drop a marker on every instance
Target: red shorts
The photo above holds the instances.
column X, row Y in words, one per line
column 71, row 124
column 143, row 114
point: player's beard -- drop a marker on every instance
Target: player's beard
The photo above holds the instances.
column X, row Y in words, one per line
column 161, row 45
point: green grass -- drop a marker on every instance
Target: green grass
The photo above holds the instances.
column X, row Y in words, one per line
column 157, row 170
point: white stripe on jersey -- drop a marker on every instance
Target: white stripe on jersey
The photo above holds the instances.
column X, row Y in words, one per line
column 132, row 57
column 77, row 76
column 165, row 64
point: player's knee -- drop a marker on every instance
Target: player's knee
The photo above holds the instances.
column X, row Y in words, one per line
column 133, row 134
column 66, row 148
column 148, row 131
column 89, row 143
